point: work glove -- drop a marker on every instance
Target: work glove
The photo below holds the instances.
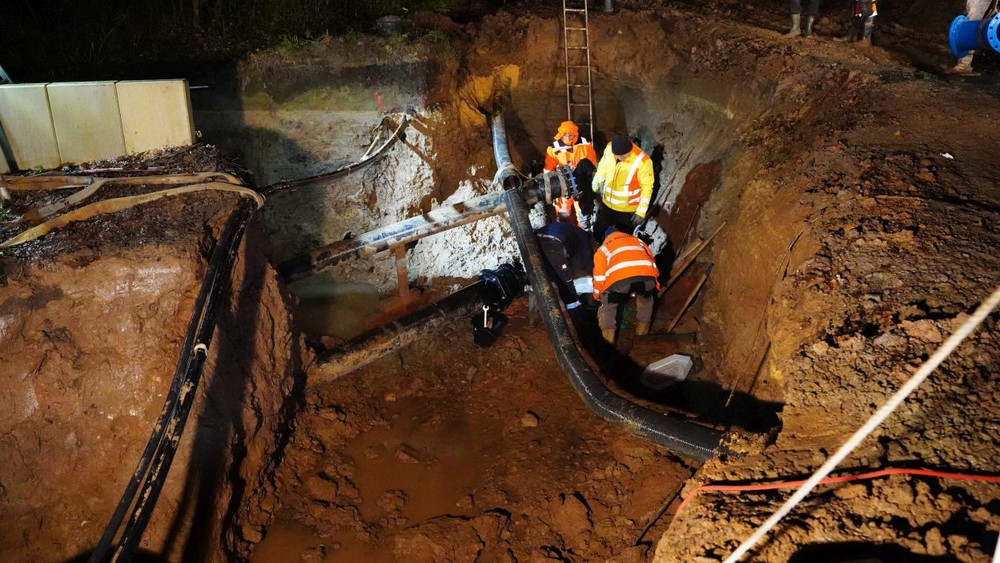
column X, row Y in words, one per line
column 636, row 220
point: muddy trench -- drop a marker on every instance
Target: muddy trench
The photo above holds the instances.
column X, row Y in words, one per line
column 453, row 451
column 852, row 226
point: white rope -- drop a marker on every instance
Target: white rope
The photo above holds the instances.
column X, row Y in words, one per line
column 925, row 370
column 996, row 553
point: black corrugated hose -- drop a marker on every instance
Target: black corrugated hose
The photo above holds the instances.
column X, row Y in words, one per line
column 679, row 436
column 152, row 469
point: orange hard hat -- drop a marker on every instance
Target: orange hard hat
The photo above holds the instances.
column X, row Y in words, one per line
column 567, row 128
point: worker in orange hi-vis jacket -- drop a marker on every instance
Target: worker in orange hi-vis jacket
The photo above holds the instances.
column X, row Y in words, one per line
column 570, row 149
column 625, row 181
column 624, row 266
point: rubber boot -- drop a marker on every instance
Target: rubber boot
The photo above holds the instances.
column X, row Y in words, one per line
column 807, row 31
column 796, row 29
column 964, row 66
column 866, row 37
column 641, row 329
column 608, row 334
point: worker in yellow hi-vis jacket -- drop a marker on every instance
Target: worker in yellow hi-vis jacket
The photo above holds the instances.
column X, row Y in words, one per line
column 624, row 179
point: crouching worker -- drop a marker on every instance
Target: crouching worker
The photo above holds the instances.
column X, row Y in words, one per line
column 624, row 267
column 567, row 253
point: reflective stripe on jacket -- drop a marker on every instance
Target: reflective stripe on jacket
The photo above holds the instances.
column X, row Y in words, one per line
column 568, row 207
column 622, row 256
column 559, row 154
column 627, row 184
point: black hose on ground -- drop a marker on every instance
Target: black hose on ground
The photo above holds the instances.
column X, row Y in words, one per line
column 326, row 177
column 679, row 436
column 151, row 472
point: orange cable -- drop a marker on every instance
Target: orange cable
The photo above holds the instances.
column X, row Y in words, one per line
column 839, row 479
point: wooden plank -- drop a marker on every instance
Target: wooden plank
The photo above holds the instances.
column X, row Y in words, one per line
column 676, row 272
column 690, row 299
column 402, row 277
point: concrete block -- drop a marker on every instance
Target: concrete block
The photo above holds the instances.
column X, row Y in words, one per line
column 86, row 120
column 155, row 114
column 27, row 126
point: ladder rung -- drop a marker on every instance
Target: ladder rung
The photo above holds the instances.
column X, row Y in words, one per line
column 579, row 104
column 576, row 29
column 579, row 85
column 577, row 48
column 574, row 9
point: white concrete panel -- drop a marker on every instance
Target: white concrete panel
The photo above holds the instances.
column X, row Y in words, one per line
column 155, row 114
column 86, row 120
column 27, row 124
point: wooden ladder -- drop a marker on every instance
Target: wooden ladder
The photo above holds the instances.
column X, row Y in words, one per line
column 576, row 44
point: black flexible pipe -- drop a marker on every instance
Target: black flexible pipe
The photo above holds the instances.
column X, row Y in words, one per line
column 342, row 171
column 506, row 173
column 155, row 462
column 679, row 436
column 373, row 344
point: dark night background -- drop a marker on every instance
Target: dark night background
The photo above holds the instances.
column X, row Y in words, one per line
column 61, row 40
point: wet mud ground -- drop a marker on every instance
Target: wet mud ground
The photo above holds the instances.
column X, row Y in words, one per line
column 845, row 259
column 453, row 452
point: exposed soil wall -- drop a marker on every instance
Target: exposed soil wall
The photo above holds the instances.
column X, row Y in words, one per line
column 845, row 258
column 93, row 316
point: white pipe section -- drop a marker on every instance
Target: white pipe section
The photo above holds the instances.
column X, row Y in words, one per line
column 925, row 370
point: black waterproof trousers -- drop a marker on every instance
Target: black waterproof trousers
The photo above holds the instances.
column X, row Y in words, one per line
column 795, row 7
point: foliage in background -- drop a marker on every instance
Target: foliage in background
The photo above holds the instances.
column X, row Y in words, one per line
column 102, row 39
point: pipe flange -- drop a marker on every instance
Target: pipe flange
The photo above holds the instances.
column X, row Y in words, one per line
column 953, row 32
column 562, row 185
column 992, row 28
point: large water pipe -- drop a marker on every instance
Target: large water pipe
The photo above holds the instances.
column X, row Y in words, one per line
column 507, row 176
column 373, row 344
column 404, row 232
column 679, row 436
column 966, row 35
column 547, row 186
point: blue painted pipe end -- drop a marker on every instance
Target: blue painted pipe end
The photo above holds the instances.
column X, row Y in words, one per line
column 966, row 35
column 962, row 36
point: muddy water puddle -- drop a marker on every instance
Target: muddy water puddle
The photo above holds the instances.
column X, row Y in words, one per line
column 428, row 456
column 421, row 466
